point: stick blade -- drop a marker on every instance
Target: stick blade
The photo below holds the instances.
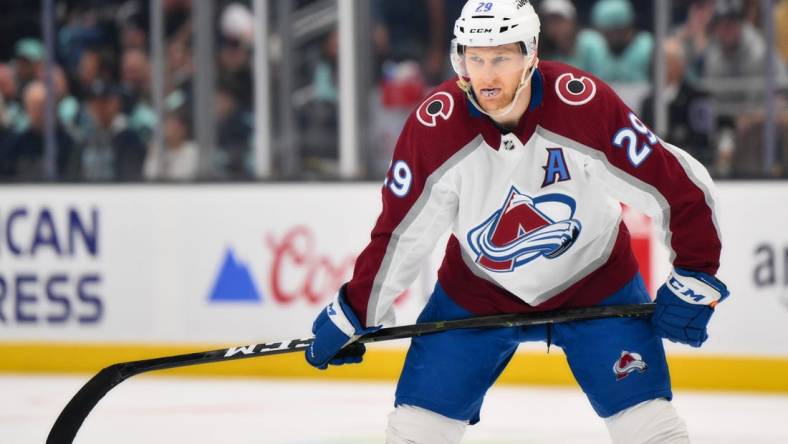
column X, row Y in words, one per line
column 70, row 419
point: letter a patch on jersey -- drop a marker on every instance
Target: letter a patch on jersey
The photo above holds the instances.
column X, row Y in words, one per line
column 555, row 170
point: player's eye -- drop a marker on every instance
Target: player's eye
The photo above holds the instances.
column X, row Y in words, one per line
column 476, row 60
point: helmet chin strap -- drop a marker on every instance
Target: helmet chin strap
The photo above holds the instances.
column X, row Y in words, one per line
column 525, row 80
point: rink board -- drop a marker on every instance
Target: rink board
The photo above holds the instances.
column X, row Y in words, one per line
column 697, row 371
column 116, row 273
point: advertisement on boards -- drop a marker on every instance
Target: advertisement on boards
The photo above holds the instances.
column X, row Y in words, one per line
column 178, row 264
column 218, row 264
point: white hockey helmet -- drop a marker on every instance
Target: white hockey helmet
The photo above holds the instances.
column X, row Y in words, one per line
column 495, row 23
column 498, row 22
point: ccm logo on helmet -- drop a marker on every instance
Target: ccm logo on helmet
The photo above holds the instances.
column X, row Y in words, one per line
column 440, row 104
column 575, row 91
column 480, row 31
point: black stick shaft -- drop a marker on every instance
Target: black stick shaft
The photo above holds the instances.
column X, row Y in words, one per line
column 75, row 412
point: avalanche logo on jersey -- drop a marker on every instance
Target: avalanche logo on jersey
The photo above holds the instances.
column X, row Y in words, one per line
column 628, row 362
column 522, row 231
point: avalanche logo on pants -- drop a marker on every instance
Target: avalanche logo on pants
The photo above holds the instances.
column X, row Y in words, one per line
column 521, row 231
column 628, row 362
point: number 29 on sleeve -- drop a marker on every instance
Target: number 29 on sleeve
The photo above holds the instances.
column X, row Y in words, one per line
column 400, row 179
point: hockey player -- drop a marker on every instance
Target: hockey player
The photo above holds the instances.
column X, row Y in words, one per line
column 527, row 163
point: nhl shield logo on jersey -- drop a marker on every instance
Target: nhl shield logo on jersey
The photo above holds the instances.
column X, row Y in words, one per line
column 573, row 90
column 524, row 229
column 440, row 104
column 628, row 362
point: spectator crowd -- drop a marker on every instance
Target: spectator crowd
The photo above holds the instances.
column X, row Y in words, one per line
column 102, row 79
column 715, row 60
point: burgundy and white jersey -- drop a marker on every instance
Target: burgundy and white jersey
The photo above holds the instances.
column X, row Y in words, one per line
column 535, row 214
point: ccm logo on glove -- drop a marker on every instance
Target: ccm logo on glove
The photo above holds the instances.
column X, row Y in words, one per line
column 685, row 304
column 693, row 291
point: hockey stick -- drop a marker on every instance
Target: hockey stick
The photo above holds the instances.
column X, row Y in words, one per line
column 75, row 412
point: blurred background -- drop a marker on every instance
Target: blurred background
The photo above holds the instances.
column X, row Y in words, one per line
column 181, row 175
column 219, row 90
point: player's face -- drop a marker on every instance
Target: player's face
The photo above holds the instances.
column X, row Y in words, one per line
column 495, row 73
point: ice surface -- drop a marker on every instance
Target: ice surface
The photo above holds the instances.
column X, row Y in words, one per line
column 238, row 411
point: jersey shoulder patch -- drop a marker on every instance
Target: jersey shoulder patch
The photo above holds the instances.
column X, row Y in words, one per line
column 577, row 105
column 441, row 124
column 570, row 85
column 438, row 106
column 575, row 90
column 443, row 108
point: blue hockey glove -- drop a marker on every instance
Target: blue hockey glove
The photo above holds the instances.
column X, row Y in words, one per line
column 336, row 329
column 685, row 304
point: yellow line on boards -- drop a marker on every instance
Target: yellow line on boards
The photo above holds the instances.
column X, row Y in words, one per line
column 696, row 371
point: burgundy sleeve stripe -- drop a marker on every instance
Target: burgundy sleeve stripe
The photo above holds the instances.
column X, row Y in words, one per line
column 699, row 177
